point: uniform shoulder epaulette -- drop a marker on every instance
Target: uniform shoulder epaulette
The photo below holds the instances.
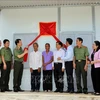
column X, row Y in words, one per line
column 2, row 48
column 85, row 46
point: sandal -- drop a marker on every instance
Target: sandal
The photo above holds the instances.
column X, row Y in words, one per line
column 97, row 93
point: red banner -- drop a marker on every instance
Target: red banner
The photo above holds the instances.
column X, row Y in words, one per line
column 47, row 28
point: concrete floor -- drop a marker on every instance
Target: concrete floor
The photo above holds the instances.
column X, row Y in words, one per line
column 45, row 96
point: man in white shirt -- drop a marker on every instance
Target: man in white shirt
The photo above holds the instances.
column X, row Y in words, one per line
column 35, row 63
column 69, row 64
column 58, row 67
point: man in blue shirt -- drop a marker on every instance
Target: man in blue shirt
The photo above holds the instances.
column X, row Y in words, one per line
column 68, row 58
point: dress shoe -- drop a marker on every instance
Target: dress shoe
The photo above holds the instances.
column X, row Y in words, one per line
column 32, row 90
column 8, row 90
column 61, row 91
column 78, row 92
column 2, row 90
column 20, row 90
column 85, row 92
column 37, row 90
column 15, row 90
column 56, row 90
column 68, row 91
column 97, row 94
column 71, row 91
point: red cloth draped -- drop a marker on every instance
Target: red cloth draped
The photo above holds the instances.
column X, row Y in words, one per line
column 45, row 29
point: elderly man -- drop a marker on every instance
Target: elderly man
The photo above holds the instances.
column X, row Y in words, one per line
column 35, row 63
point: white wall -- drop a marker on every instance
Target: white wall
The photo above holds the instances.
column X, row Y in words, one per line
column 26, row 21
column 76, row 19
column 97, row 19
column 0, row 25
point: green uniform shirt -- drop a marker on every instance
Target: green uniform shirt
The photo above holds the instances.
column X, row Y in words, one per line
column 7, row 53
column 16, row 53
column 81, row 53
column 0, row 57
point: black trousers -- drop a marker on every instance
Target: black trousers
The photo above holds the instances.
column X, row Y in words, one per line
column 5, row 76
column 69, row 72
column 47, row 79
column 58, row 76
column 93, row 77
column 1, row 68
column 97, row 80
column 18, row 72
column 35, row 80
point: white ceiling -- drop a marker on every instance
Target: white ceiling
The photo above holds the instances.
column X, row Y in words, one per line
column 38, row 3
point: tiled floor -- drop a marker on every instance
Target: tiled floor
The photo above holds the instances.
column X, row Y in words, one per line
column 46, row 96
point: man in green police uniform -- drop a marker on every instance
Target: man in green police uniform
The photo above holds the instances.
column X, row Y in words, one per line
column 18, row 64
column 6, row 55
column 80, row 64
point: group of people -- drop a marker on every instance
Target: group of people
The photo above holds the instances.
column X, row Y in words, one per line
column 6, row 64
column 56, row 62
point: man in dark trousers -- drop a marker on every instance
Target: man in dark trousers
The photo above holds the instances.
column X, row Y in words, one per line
column 59, row 67
column 80, row 64
column 18, row 65
column 69, row 64
column 6, row 55
column 35, row 63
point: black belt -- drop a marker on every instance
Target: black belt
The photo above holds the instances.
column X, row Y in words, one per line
column 68, row 61
column 8, row 61
column 18, row 61
column 35, row 69
column 80, row 60
column 57, row 63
